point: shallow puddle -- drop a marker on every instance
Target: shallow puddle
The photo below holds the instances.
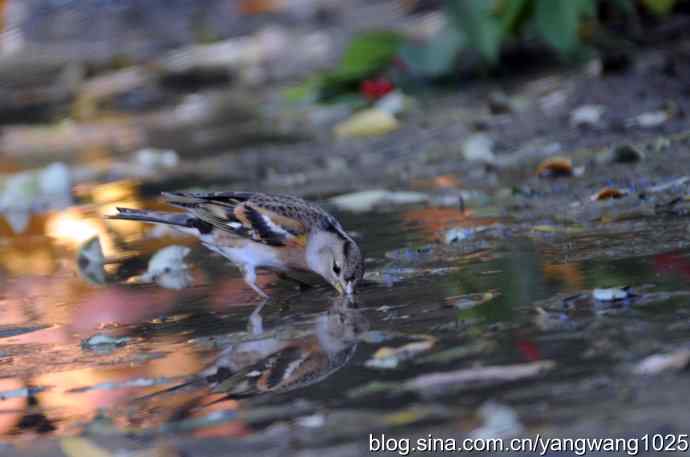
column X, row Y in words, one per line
column 138, row 359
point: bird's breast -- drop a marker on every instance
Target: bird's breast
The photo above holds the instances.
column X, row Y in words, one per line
column 294, row 257
column 259, row 255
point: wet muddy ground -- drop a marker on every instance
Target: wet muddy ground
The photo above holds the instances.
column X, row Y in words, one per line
column 408, row 359
column 498, row 303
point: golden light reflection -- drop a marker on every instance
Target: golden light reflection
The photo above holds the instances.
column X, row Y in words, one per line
column 36, row 226
column 41, row 263
column 82, row 405
column 51, row 235
column 108, row 197
column 71, row 227
column 85, row 405
column 116, row 191
column 176, row 363
column 11, row 409
column 74, row 226
column 29, row 255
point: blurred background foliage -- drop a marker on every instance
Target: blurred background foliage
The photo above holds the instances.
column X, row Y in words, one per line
column 476, row 34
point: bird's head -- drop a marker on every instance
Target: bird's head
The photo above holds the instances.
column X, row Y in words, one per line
column 338, row 259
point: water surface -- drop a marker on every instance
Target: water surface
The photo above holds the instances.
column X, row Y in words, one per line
column 500, row 298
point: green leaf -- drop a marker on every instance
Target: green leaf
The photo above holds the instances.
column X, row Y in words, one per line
column 512, row 14
column 435, row 58
column 482, row 29
column 659, row 7
column 558, row 20
column 368, row 53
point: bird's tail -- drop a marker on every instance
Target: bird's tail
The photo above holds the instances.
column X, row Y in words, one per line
column 185, row 220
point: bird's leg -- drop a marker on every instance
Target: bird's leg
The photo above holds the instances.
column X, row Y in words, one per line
column 301, row 284
column 250, row 278
column 256, row 322
column 256, row 325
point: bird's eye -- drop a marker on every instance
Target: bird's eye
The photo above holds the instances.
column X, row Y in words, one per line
column 336, row 268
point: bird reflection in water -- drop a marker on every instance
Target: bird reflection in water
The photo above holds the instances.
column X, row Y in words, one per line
column 272, row 364
column 289, row 357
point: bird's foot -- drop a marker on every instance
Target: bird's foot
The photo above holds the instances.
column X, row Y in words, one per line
column 256, row 323
column 250, row 278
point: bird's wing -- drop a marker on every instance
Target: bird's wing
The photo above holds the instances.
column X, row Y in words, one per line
column 286, row 369
column 269, row 219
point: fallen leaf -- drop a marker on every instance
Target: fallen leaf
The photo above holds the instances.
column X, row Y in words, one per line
column 439, row 182
column 370, row 199
column 612, row 294
column 471, row 300
column 388, row 357
column 22, row 194
column 499, row 421
column 478, row 147
column 446, row 182
column 555, row 167
column 648, row 120
column 103, row 343
column 478, row 375
column 168, row 269
column 369, row 122
column 608, row 193
column 312, row 421
column 587, row 115
column 90, row 261
column 657, row 363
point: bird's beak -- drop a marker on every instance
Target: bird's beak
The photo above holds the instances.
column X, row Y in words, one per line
column 339, row 288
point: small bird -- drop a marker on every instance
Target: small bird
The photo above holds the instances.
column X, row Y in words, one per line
column 282, row 233
column 270, row 362
column 295, row 354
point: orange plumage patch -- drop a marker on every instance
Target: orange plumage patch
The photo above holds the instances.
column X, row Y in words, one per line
column 298, row 241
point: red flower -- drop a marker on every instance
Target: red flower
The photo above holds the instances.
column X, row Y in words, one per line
column 529, row 350
column 373, row 89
